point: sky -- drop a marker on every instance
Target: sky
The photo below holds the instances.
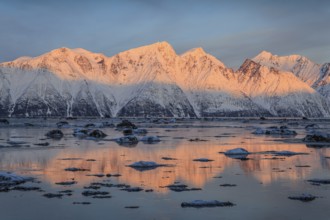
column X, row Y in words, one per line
column 229, row 30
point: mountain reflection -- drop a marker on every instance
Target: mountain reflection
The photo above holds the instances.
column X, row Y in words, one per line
column 109, row 158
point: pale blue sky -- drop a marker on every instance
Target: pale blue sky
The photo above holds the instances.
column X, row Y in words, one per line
column 229, row 30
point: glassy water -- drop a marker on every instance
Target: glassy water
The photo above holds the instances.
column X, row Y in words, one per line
column 263, row 182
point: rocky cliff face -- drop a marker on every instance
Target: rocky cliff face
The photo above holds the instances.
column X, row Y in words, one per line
column 150, row 81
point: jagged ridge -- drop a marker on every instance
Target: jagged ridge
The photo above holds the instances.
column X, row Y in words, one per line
column 150, row 81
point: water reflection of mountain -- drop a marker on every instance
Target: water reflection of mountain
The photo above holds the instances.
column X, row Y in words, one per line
column 111, row 158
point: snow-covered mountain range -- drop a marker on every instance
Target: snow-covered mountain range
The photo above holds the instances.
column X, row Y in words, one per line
column 154, row 80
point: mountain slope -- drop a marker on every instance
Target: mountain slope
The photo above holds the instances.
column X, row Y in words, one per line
column 150, row 81
column 302, row 67
column 281, row 93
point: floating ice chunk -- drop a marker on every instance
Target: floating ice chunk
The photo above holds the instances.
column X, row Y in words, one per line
column 203, row 203
column 237, row 151
column 150, row 139
column 145, row 165
column 7, row 178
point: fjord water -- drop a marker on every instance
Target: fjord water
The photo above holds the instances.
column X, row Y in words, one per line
column 263, row 183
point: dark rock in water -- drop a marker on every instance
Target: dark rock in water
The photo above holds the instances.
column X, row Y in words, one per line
column 66, row 183
column 62, row 124
column 319, row 181
column 132, row 189
column 168, row 158
column 196, row 140
column 202, row 160
column 55, row 134
column 94, row 193
column 149, row 190
column 26, row 188
column 262, row 118
column 127, row 131
column 75, row 169
column 181, row 188
column 42, row 144
column 92, row 187
column 81, row 203
column 126, row 124
column 28, row 125
column 311, row 126
column 71, row 118
column 274, row 130
column 305, row 118
column 317, row 137
column 228, row 185
column 90, row 125
column 140, row 131
column 132, row 207
column 84, row 133
column 150, row 139
column 303, row 197
column 101, row 197
column 96, row 175
column 4, row 121
column 97, row 134
column 202, row 203
column 52, row 195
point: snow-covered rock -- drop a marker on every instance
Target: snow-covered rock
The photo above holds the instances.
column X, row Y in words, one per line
column 10, row 179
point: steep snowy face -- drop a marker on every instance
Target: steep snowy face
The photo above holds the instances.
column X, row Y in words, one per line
column 281, row 93
column 323, row 84
column 212, row 88
column 302, row 67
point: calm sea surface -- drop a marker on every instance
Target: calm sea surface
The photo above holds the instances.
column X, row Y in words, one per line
column 263, row 182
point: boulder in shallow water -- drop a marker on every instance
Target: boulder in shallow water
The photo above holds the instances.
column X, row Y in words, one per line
column 317, row 137
column 274, row 130
column 150, row 139
column 55, row 134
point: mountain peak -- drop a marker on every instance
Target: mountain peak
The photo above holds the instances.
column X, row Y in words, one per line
column 264, row 54
column 195, row 51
